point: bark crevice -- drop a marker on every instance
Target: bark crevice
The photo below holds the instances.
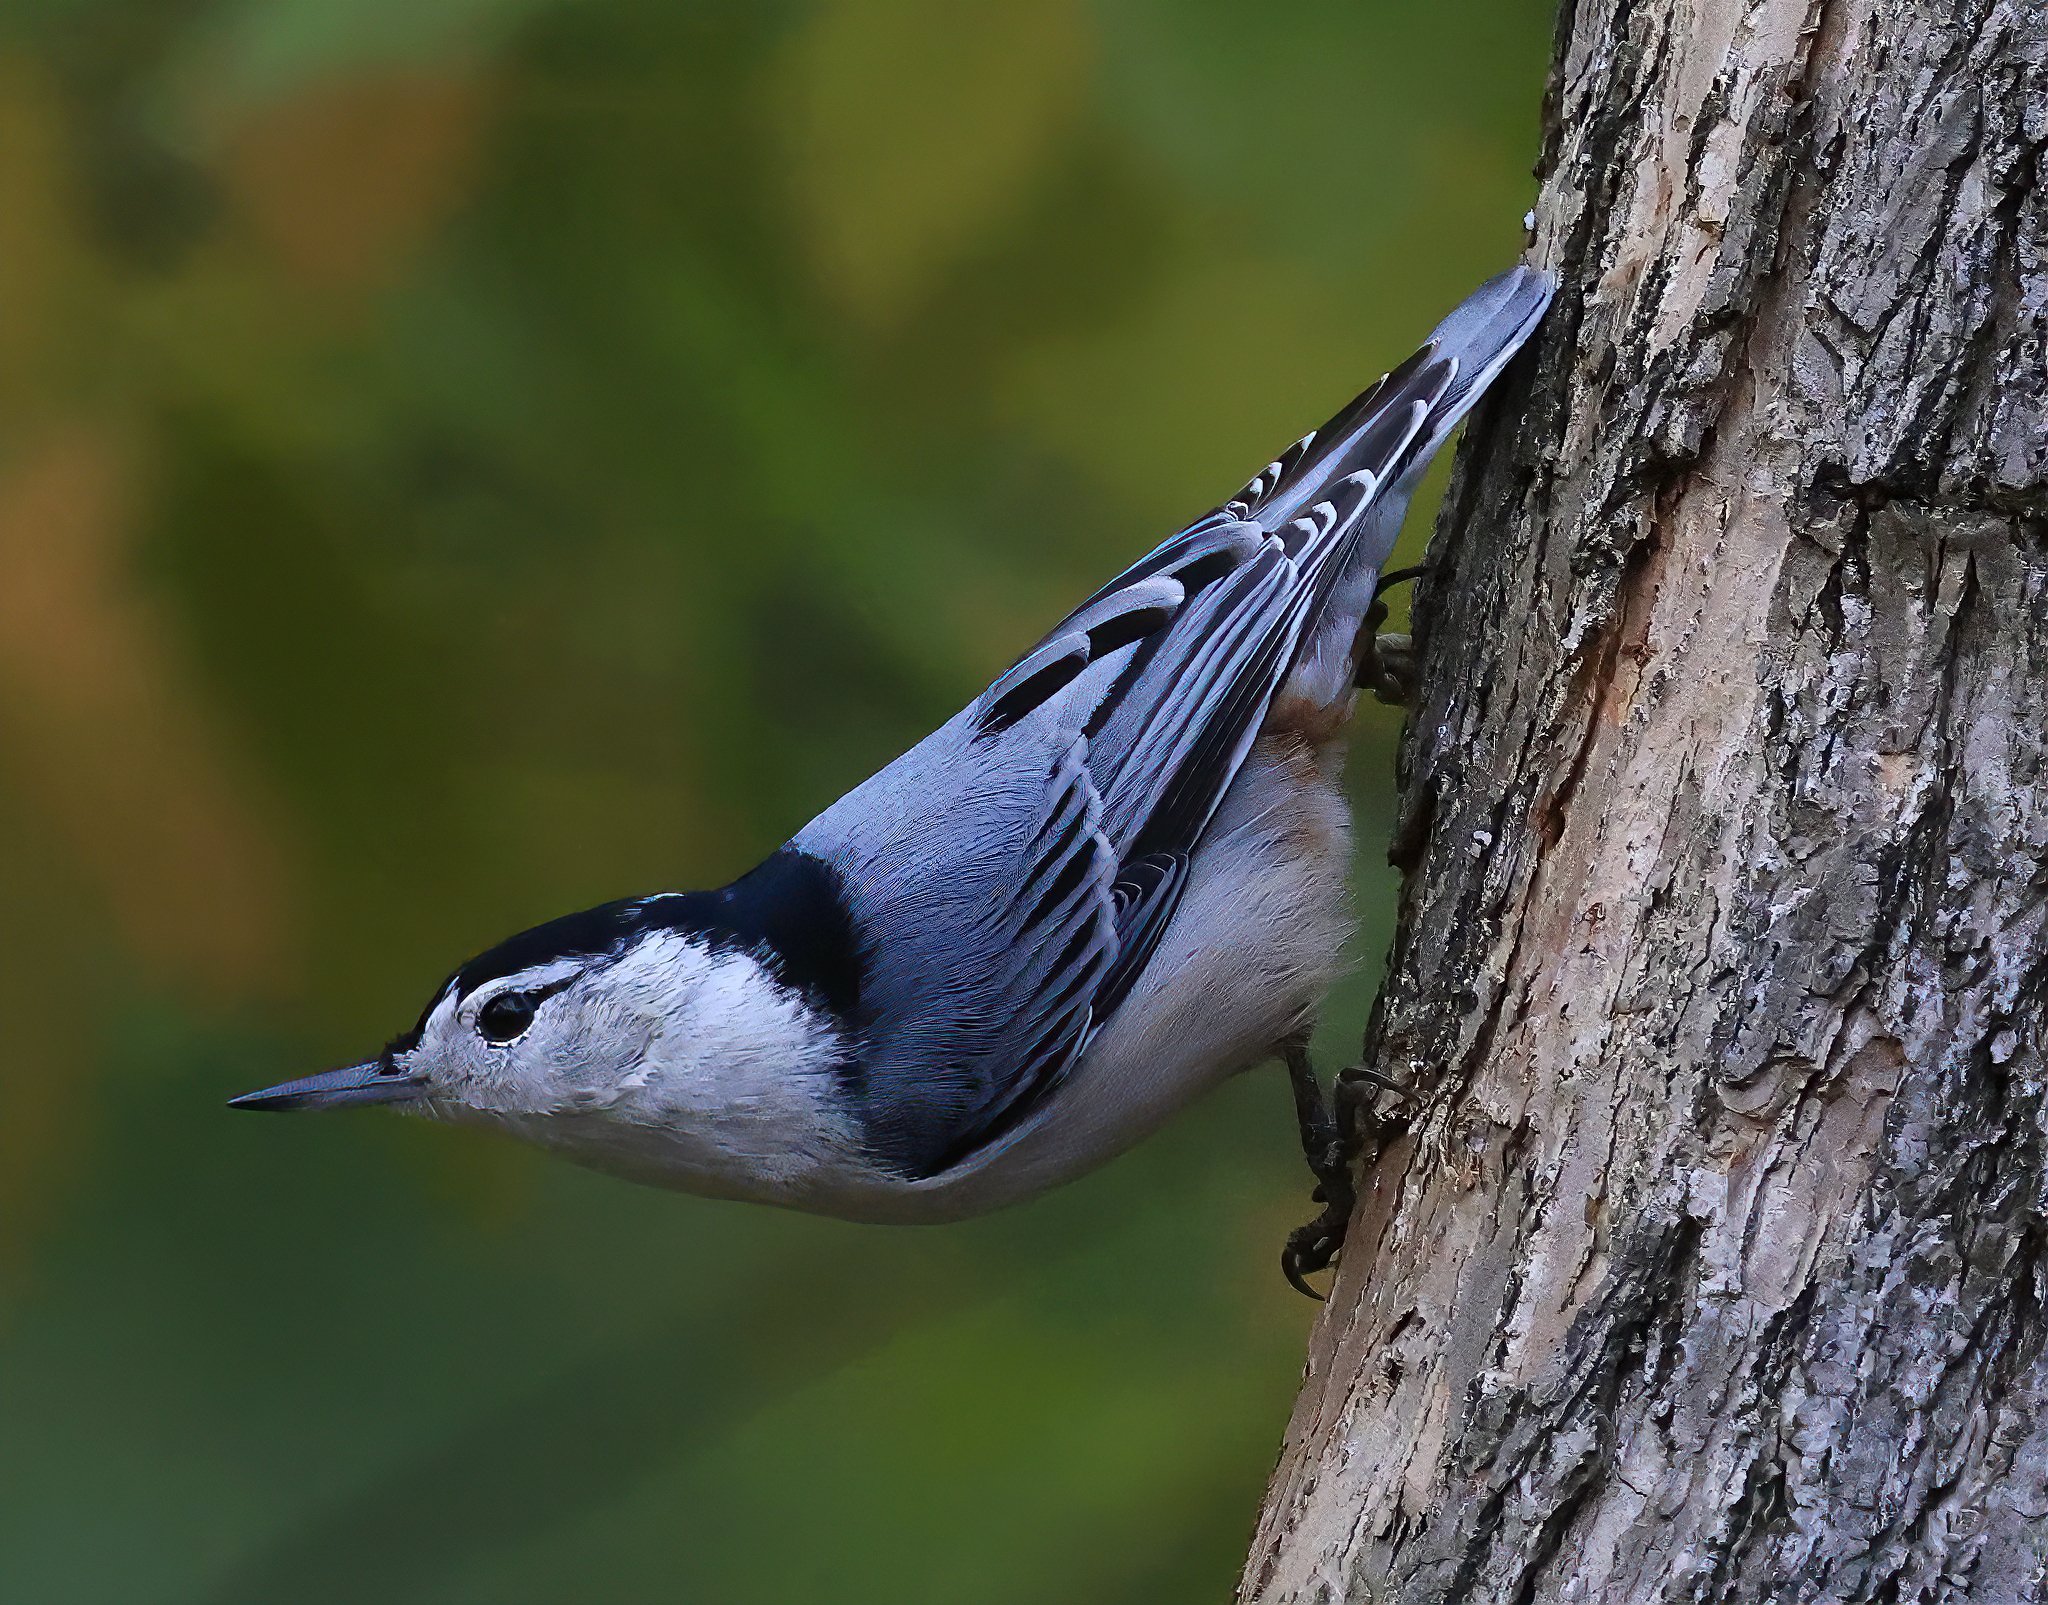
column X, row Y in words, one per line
column 1716, row 1267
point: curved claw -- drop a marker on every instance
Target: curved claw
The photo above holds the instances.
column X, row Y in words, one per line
column 1386, row 663
column 1358, row 1072
column 1361, row 1122
column 1311, row 1247
column 1308, row 1249
column 1296, row 1273
column 1397, row 576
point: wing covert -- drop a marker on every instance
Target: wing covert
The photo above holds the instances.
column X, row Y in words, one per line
column 1033, row 852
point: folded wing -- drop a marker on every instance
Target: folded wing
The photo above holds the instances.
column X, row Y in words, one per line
column 1013, row 874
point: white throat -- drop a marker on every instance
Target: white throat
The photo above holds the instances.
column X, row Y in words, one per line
column 730, row 1088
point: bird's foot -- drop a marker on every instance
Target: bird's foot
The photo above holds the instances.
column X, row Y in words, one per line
column 1386, row 663
column 1332, row 1144
column 1386, row 668
column 1313, row 1247
column 1370, row 1108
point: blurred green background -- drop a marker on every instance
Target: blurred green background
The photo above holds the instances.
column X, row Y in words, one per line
column 461, row 460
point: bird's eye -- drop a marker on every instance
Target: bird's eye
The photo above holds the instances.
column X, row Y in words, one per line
column 506, row 1016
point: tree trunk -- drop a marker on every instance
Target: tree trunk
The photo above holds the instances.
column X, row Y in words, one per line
column 1715, row 1263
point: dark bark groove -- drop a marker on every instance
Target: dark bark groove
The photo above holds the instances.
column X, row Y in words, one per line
column 1717, row 1267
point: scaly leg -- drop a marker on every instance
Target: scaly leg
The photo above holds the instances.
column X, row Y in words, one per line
column 1335, row 1135
column 1312, row 1247
column 1386, row 663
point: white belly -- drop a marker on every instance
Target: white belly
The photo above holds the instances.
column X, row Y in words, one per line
column 1255, row 943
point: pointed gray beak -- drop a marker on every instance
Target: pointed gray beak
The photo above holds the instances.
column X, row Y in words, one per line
column 374, row 1081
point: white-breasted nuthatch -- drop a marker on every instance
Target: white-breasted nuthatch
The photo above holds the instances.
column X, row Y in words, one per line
column 1115, row 878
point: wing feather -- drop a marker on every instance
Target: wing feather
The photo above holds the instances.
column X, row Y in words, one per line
column 1070, row 799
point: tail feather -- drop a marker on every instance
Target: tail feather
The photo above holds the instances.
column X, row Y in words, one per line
column 1446, row 376
column 1383, row 441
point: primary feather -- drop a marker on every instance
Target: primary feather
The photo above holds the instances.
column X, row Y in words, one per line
column 1012, row 874
column 1114, row 878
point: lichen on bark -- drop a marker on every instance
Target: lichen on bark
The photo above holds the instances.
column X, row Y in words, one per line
column 1715, row 1266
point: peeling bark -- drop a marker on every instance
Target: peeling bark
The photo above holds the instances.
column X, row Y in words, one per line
column 1715, row 1267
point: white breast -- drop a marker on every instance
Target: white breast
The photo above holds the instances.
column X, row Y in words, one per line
column 734, row 1098
column 733, row 1095
column 1254, row 945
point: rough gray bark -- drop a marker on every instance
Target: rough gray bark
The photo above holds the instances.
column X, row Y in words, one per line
column 1716, row 1264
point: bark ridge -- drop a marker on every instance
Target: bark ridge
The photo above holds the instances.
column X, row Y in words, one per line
column 1717, row 1267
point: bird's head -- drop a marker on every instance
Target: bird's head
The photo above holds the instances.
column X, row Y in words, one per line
column 706, row 1029
column 554, row 1020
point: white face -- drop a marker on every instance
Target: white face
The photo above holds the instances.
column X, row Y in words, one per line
column 671, row 1060
column 561, row 1036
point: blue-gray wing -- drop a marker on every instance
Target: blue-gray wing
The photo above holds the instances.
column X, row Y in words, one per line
column 1011, row 876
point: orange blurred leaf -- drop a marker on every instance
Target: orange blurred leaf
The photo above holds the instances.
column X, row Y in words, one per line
column 346, row 180
column 107, row 734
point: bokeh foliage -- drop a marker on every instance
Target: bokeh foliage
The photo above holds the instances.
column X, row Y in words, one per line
column 464, row 459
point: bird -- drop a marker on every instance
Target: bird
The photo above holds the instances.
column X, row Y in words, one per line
column 1111, row 881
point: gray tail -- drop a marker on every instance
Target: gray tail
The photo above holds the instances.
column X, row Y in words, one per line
column 1393, row 429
